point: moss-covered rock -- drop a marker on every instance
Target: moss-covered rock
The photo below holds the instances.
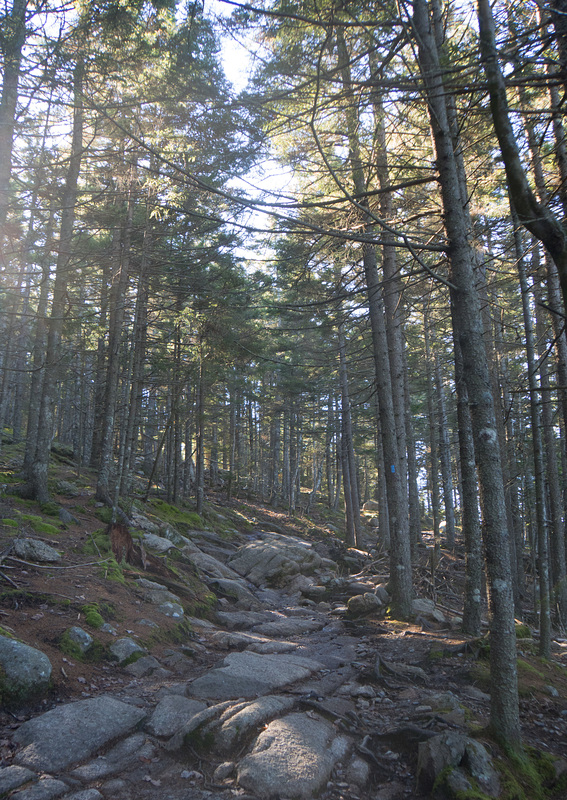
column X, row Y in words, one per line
column 25, row 672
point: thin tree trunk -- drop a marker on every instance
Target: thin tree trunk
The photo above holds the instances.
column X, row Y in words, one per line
column 557, row 528
column 400, row 553
column 352, row 507
column 37, row 478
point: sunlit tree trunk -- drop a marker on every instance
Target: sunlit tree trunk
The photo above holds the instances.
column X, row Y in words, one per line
column 468, row 330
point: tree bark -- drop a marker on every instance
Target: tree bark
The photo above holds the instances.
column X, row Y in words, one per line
column 37, row 478
column 467, row 327
column 536, row 217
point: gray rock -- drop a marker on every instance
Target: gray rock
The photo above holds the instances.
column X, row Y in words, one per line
column 289, row 627
column 457, row 781
column 244, row 620
column 169, row 532
column 143, row 666
column 13, row 776
column 123, row 755
column 171, row 713
column 251, row 674
column 113, row 788
column 188, row 550
column 362, row 604
column 170, row 609
column 453, row 750
column 81, row 638
column 155, row 593
column 314, row 591
column 68, row 489
column 293, row 756
column 107, row 628
column 436, row 754
column 275, row 559
column 24, row 671
column 44, row 789
column 201, row 719
column 84, row 794
column 240, row 721
column 371, row 505
column 426, row 608
column 225, row 770
column 35, row 550
column 358, row 771
column 236, row 590
column 359, row 587
column 157, row 543
column 213, row 566
column 382, row 593
column 142, row 522
column 479, row 763
column 444, row 701
column 73, row 732
column 123, row 649
column 237, row 640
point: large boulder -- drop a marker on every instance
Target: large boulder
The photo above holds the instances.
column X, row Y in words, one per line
column 453, row 758
column 252, row 674
column 36, row 550
column 275, row 559
column 24, row 672
column 294, row 756
column 72, row 733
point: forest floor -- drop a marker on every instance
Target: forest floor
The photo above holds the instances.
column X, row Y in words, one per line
column 38, row 603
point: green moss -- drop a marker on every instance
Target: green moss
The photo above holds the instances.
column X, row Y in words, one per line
column 92, row 615
column 112, row 571
column 523, row 632
column 97, row 542
column 45, row 527
column 50, row 508
column 96, row 652
column 104, row 514
column 529, row 669
column 7, row 633
column 39, row 526
column 8, row 477
column 132, row 658
column 176, row 515
column 441, row 787
column 10, row 523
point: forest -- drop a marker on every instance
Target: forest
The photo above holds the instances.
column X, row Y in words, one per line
column 342, row 282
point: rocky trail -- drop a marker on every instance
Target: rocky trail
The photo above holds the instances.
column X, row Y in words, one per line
column 296, row 685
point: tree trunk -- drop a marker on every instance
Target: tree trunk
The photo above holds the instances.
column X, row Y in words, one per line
column 37, row 477
column 557, row 528
column 400, row 553
column 535, row 216
column 117, row 300
column 352, row 507
column 12, row 42
column 468, row 331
